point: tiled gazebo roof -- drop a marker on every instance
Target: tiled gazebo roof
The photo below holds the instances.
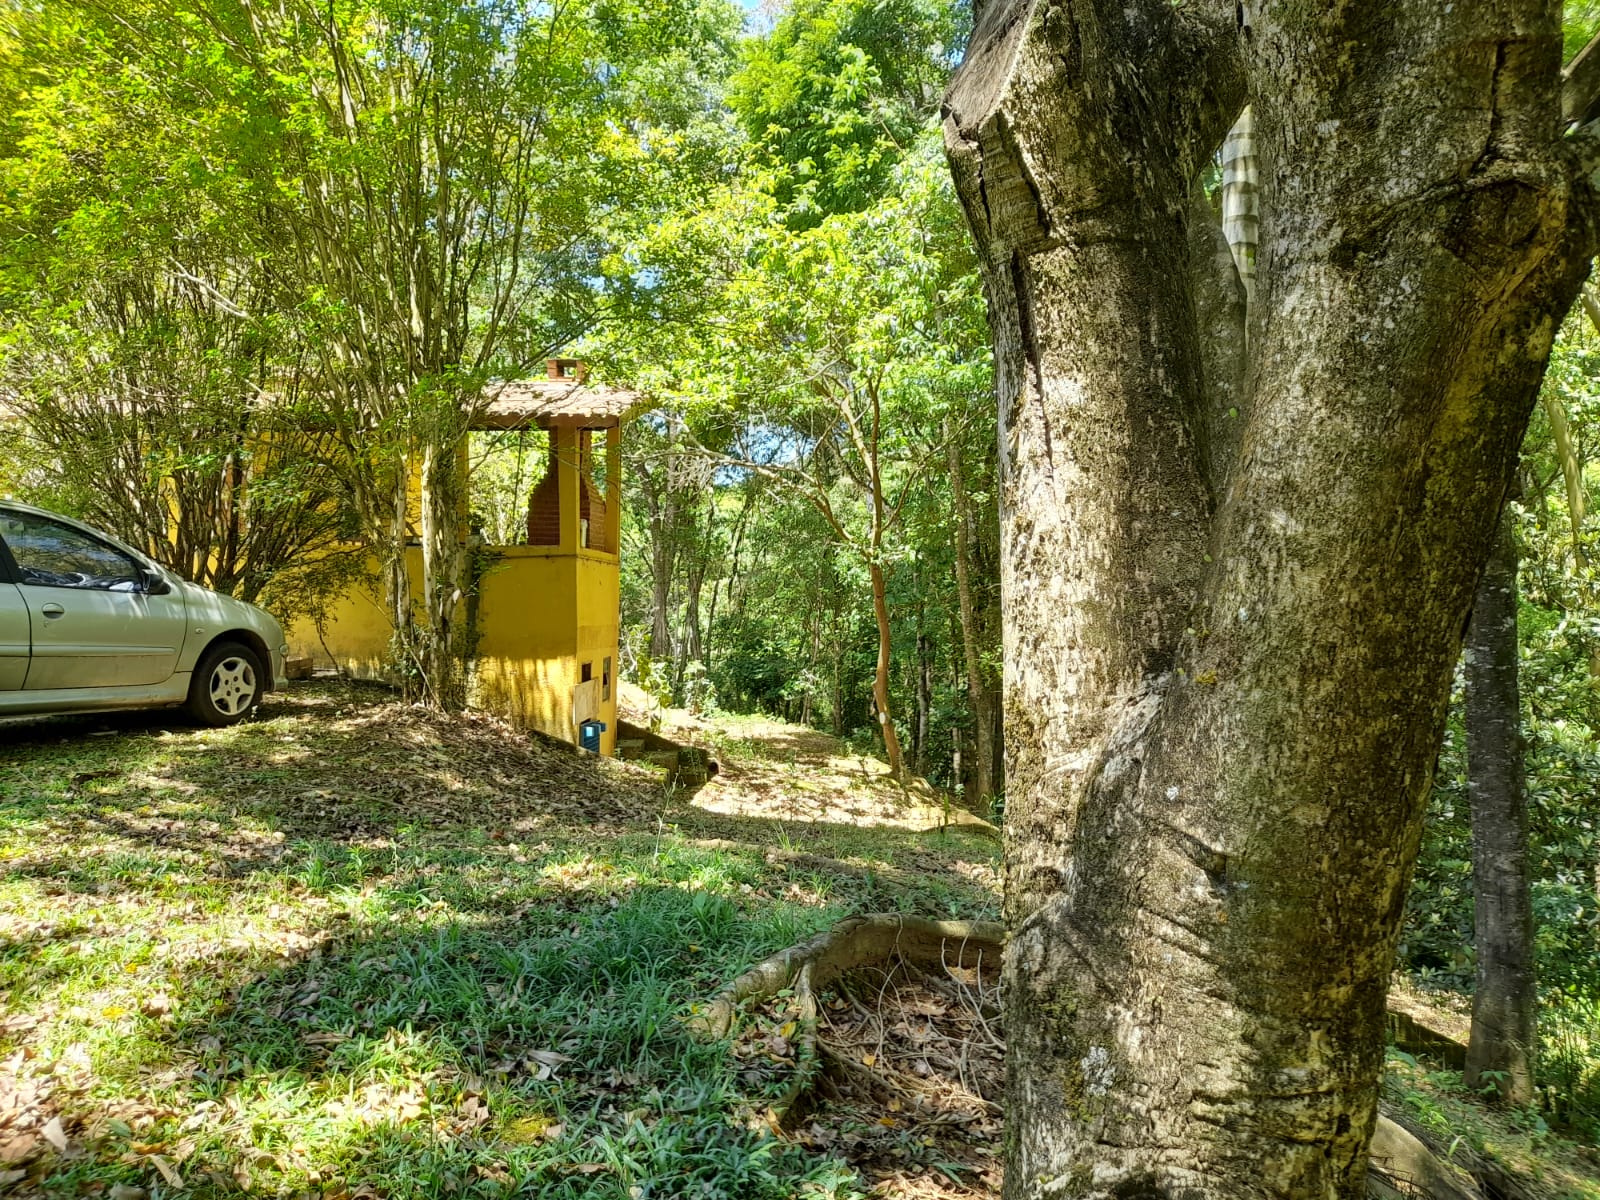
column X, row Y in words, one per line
column 545, row 403
column 565, row 400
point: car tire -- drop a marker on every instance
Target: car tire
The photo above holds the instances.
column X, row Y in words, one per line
column 226, row 684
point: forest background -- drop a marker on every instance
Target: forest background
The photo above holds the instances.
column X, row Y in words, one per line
column 334, row 225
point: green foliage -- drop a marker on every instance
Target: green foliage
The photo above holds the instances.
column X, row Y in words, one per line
column 753, row 673
column 1580, row 21
column 1560, row 653
column 834, row 96
column 827, row 367
column 1466, row 1131
column 1569, row 1042
column 506, row 467
column 344, row 218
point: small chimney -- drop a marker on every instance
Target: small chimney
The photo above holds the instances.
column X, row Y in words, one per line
column 573, row 370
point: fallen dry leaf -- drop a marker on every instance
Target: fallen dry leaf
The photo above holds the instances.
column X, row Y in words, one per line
column 492, row 1171
column 55, row 1135
column 18, row 1147
column 168, row 1171
column 548, row 1061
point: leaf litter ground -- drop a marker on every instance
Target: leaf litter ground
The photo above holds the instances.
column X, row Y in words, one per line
column 356, row 949
column 353, row 949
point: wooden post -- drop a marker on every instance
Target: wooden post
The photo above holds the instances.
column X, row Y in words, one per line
column 614, row 490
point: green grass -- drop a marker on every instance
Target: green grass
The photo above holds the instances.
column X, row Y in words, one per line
column 1569, row 1061
column 1462, row 1125
column 350, row 947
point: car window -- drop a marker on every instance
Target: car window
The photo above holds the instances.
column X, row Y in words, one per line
column 53, row 555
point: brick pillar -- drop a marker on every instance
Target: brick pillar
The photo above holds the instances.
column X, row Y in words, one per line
column 544, row 505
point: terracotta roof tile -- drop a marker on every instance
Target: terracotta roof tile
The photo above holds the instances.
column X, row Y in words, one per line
column 547, row 402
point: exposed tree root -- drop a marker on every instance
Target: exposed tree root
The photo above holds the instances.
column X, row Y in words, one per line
column 853, row 943
column 812, row 966
column 1403, row 1163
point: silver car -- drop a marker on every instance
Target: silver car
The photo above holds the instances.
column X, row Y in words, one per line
column 88, row 624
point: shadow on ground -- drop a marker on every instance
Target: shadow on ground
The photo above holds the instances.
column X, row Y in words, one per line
column 352, row 945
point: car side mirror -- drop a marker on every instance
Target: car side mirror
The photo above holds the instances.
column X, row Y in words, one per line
column 154, row 583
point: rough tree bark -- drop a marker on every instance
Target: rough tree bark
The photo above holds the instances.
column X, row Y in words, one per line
column 1229, row 642
column 1500, row 1051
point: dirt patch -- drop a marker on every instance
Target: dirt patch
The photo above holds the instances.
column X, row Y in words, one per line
column 772, row 770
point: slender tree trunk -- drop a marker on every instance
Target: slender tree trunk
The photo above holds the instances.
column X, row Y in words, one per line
column 691, row 648
column 924, row 698
column 397, row 592
column 838, row 675
column 443, row 503
column 662, row 532
column 661, row 499
column 1501, row 1050
column 733, row 573
column 880, row 605
column 814, row 637
column 880, row 680
column 980, row 698
column 1226, row 672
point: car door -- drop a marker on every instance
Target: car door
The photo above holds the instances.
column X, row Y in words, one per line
column 13, row 635
column 91, row 622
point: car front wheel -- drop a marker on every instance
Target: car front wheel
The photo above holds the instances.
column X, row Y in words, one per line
column 226, row 684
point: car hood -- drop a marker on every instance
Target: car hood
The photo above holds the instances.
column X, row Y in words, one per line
column 213, row 612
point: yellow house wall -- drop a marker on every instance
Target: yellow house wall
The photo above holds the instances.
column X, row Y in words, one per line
column 542, row 614
column 527, row 610
column 598, row 617
column 356, row 636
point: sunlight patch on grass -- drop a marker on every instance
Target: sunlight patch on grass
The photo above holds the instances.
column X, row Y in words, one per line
column 268, row 957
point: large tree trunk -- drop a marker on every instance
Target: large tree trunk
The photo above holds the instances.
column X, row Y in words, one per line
column 1501, row 1049
column 1229, row 642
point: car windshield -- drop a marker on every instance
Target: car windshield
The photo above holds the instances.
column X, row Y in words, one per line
column 50, row 554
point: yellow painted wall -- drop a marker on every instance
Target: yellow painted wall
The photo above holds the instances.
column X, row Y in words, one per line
column 542, row 612
column 599, row 614
column 527, row 614
column 357, row 634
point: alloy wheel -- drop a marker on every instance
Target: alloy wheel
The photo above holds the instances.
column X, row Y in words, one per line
column 233, row 686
